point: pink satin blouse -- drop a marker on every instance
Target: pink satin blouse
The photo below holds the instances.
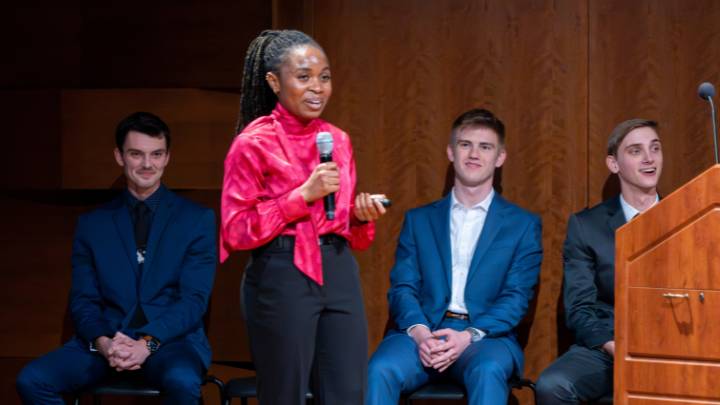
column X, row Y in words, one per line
column 267, row 163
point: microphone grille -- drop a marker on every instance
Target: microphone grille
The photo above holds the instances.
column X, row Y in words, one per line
column 324, row 141
column 706, row 90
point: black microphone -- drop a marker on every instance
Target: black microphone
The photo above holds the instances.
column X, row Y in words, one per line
column 324, row 143
column 706, row 91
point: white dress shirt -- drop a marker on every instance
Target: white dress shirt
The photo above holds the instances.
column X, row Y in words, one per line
column 466, row 224
column 630, row 211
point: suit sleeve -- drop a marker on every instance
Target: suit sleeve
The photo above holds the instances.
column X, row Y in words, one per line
column 511, row 305
column 406, row 282
column 195, row 284
column 86, row 303
column 580, row 291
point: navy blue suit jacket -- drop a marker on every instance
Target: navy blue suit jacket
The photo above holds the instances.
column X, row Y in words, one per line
column 173, row 288
column 589, row 271
column 500, row 282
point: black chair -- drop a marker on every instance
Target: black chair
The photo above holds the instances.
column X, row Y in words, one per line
column 453, row 391
column 244, row 387
column 125, row 386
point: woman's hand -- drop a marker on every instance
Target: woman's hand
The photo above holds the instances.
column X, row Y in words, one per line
column 325, row 179
column 367, row 208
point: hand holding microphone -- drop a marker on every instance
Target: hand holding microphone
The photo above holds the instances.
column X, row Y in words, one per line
column 324, row 180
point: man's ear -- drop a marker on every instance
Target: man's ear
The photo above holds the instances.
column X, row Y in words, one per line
column 273, row 81
column 450, row 153
column 612, row 164
column 118, row 157
column 502, row 155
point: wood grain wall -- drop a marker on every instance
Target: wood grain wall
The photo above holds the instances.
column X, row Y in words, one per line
column 561, row 74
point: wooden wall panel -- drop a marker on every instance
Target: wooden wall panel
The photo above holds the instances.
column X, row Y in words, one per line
column 30, row 139
column 561, row 74
column 201, row 123
column 128, row 44
column 402, row 71
column 647, row 59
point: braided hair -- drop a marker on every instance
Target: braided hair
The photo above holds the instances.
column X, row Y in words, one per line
column 265, row 54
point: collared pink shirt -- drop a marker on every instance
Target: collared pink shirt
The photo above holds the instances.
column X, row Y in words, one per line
column 264, row 168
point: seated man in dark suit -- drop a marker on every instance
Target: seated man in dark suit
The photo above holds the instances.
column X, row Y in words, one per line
column 585, row 372
column 465, row 269
column 143, row 268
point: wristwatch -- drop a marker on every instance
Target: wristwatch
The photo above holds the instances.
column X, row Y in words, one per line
column 475, row 335
column 152, row 344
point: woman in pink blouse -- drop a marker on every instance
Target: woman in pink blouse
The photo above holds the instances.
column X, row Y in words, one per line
column 301, row 292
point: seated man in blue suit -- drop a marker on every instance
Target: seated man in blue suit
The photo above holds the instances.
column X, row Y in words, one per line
column 143, row 269
column 585, row 372
column 464, row 272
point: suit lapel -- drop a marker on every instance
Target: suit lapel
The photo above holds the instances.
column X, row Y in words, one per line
column 440, row 222
column 159, row 223
column 123, row 225
column 616, row 216
column 493, row 223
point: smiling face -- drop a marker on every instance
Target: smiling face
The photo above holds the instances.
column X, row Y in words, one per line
column 143, row 159
column 475, row 153
column 303, row 84
column 638, row 161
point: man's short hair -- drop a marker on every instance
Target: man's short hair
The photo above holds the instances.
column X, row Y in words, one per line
column 478, row 118
column 143, row 122
column 624, row 128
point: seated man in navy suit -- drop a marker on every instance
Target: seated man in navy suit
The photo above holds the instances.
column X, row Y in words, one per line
column 143, row 268
column 585, row 372
column 464, row 272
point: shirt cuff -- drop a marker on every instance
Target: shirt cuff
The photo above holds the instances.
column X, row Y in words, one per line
column 414, row 326
column 293, row 206
column 480, row 332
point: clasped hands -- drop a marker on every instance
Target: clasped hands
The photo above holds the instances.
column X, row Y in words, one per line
column 441, row 348
column 122, row 352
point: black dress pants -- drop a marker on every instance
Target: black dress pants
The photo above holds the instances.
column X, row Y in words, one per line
column 580, row 375
column 297, row 327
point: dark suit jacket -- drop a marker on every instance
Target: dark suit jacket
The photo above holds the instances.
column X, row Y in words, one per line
column 503, row 271
column 175, row 283
column 589, row 271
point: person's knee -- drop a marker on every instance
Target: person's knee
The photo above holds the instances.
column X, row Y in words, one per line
column 486, row 369
column 28, row 381
column 181, row 382
column 553, row 385
column 384, row 369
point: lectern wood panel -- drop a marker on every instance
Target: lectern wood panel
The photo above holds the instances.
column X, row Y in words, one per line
column 667, row 401
column 667, row 299
column 685, row 321
column 692, row 246
column 690, row 381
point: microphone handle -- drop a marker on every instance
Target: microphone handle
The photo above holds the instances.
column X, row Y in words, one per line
column 714, row 126
column 328, row 200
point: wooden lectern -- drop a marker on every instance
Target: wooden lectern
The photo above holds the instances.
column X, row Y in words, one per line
column 667, row 299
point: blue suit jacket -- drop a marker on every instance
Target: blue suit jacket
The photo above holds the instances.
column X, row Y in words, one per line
column 175, row 283
column 503, row 271
column 589, row 271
